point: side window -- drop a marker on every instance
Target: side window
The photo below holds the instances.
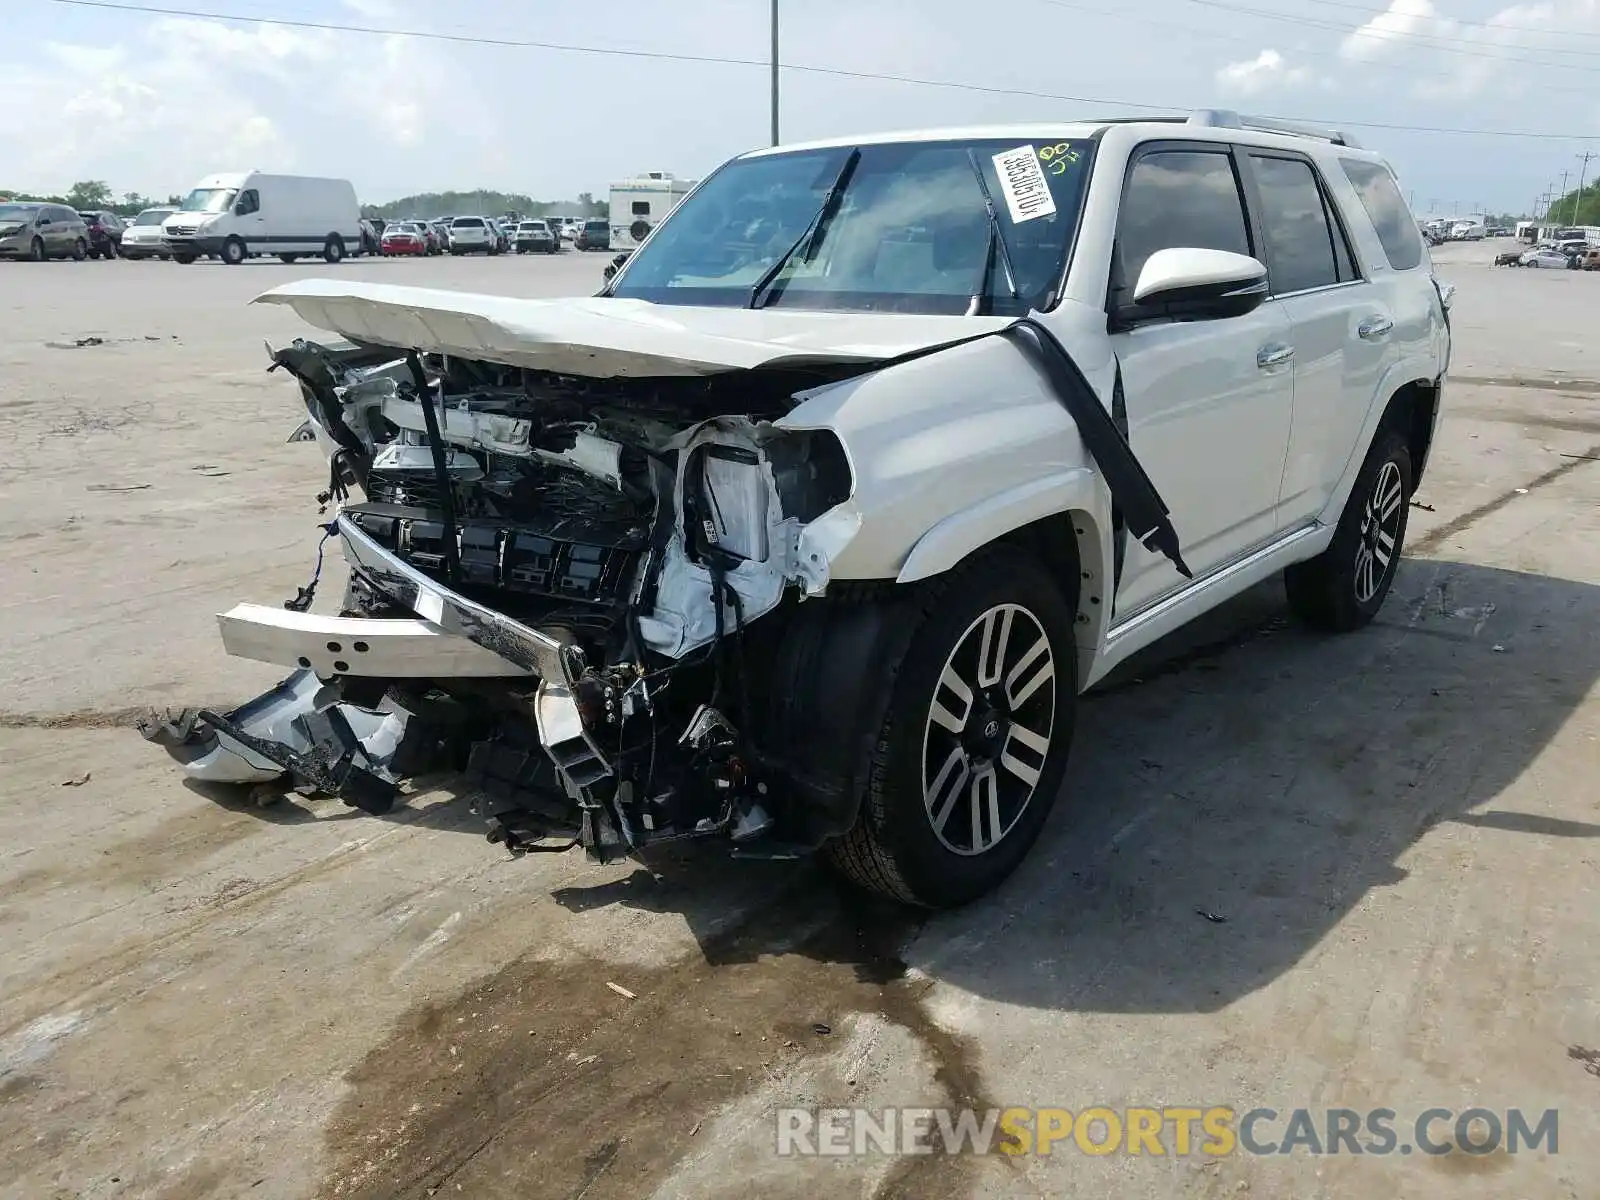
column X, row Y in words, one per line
column 1300, row 238
column 641, row 208
column 1345, row 259
column 249, row 202
column 1173, row 198
column 1386, row 208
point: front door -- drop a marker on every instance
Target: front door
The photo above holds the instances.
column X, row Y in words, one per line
column 1209, row 404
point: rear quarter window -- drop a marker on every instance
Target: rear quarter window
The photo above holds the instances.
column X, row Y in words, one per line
column 1386, row 209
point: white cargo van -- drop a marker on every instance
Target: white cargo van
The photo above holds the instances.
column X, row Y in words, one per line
column 235, row 215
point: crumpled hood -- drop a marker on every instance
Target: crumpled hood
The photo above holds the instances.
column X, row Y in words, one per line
column 612, row 338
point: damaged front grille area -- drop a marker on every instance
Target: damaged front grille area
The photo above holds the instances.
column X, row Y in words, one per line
column 610, row 540
column 526, row 561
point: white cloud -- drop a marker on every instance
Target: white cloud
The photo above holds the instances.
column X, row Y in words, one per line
column 1265, row 71
column 184, row 97
column 1396, row 28
column 1509, row 54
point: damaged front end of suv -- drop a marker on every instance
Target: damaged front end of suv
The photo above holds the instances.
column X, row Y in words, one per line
column 553, row 583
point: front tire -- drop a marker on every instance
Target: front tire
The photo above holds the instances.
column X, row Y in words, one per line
column 1343, row 588
column 234, row 252
column 975, row 737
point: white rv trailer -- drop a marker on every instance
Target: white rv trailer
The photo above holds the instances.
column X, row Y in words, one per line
column 639, row 204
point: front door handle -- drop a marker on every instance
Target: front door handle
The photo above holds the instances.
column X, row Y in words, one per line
column 1374, row 328
column 1273, row 355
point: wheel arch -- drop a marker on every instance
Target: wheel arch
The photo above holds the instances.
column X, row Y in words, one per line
column 1064, row 520
column 1413, row 412
column 1412, row 408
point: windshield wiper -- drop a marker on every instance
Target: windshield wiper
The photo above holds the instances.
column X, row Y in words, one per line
column 981, row 302
column 811, row 236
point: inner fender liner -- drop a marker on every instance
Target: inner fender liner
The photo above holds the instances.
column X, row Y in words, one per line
column 828, row 693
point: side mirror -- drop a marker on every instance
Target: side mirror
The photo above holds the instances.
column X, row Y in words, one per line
column 1189, row 283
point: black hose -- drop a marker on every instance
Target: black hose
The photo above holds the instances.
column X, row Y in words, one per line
column 441, row 469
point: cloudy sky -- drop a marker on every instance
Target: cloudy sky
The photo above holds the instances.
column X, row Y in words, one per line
column 150, row 102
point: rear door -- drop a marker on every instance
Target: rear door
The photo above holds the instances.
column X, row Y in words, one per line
column 1208, row 403
column 1339, row 324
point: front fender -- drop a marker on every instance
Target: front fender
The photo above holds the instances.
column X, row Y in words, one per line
column 961, row 533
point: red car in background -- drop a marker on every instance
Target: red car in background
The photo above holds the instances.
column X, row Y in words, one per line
column 404, row 238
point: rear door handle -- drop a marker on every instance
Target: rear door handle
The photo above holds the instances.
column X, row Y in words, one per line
column 1374, row 328
column 1272, row 355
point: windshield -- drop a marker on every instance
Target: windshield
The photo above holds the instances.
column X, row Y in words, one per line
column 910, row 235
column 209, row 200
column 152, row 216
column 17, row 212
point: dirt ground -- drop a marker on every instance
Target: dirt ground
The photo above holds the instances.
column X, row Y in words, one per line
column 1287, row 871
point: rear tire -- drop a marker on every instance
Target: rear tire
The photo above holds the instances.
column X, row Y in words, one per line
column 947, row 815
column 333, row 249
column 234, row 252
column 1343, row 588
column 80, row 250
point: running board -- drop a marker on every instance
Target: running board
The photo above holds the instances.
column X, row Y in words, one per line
column 1174, row 611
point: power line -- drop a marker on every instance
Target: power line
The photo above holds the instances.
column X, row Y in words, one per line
column 801, row 68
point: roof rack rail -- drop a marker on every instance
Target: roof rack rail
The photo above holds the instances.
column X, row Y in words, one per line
column 1221, row 118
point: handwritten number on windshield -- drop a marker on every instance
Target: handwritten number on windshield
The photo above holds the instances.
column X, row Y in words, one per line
column 1056, row 158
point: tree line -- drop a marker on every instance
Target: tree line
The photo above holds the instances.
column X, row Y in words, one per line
column 427, row 205
column 1575, row 209
column 96, row 195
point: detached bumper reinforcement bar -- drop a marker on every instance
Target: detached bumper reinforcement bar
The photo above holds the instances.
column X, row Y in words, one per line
column 369, row 647
column 536, row 653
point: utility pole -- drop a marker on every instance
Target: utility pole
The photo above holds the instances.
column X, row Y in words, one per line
column 1563, row 190
column 1582, row 171
column 774, row 72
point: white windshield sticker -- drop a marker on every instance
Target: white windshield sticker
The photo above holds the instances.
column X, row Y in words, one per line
column 1022, row 180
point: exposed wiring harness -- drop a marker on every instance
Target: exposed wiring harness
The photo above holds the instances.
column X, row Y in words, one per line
column 304, row 596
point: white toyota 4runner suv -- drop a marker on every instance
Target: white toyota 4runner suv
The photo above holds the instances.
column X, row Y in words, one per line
column 806, row 533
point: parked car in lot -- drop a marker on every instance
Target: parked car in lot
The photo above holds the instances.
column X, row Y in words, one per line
column 1548, row 258
column 595, row 235
column 105, row 233
column 536, row 235
column 820, row 555
column 1590, row 260
column 405, row 237
column 441, row 233
column 142, row 237
column 40, row 231
column 470, row 235
column 371, row 237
